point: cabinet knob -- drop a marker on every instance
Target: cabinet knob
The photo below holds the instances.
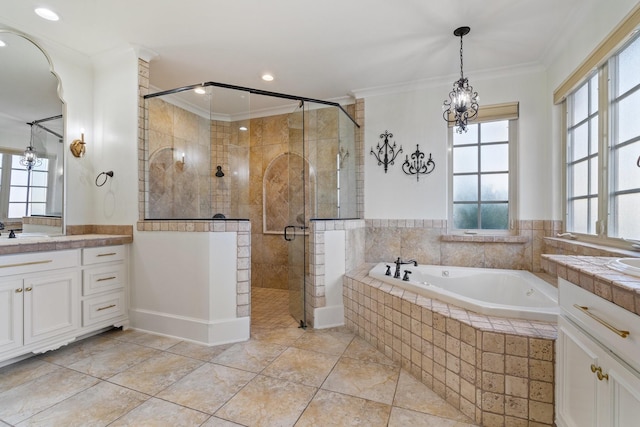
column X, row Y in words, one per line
column 29, row 289
column 598, row 371
column 19, row 290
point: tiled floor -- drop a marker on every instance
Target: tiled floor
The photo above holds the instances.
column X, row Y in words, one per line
column 282, row 376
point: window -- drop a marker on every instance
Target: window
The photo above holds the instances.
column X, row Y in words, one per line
column 22, row 192
column 481, row 185
column 582, row 158
column 599, row 203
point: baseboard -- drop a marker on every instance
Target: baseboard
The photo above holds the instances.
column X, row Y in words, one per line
column 328, row 317
column 191, row 329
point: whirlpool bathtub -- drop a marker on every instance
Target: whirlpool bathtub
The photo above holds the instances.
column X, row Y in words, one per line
column 495, row 292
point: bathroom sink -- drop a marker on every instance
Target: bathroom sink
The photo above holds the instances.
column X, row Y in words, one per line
column 626, row 265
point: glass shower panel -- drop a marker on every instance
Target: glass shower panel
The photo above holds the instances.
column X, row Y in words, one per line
column 197, row 154
column 346, row 165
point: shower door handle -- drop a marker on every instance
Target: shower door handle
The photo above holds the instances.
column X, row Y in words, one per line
column 286, row 236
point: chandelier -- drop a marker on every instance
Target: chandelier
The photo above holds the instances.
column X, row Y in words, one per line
column 30, row 158
column 462, row 104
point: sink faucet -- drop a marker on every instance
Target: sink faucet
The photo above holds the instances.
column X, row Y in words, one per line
column 399, row 262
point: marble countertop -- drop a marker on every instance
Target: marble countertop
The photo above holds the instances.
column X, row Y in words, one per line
column 40, row 243
column 592, row 274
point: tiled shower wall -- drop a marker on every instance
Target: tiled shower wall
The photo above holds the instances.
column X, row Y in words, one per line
column 428, row 242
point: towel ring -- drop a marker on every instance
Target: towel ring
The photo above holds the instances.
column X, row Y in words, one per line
column 107, row 175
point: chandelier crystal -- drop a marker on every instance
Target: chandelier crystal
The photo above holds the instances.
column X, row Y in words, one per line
column 462, row 104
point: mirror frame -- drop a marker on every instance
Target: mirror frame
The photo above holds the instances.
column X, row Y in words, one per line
column 63, row 111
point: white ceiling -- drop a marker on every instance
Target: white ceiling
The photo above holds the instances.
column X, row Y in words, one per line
column 324, row 49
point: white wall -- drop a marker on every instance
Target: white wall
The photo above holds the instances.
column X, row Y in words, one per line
column 115, row 137
column 415, row 117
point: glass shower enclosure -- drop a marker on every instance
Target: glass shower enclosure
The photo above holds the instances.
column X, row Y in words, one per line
column 223, row 152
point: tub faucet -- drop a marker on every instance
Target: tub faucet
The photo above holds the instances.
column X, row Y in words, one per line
column 399, row 262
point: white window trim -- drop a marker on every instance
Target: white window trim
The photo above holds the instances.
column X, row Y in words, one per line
column 513, row 183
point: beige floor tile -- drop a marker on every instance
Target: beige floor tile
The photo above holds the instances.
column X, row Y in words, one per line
column 107, row 363
column 302, row 366
column 284, row 336
column 24, row 371
column 367, row 380
column 156, row 373
column 207, row 388
column 158, row 342
column 330, row 342
column 219, row 422
column 155, row 413
column 198, row 351
column 404, row 417
column 98, row 405
column 412, row 394
column 79, row 350
column 27, row 399
column 251, row 356
column 267, row 401
column 362, row 350
column 335, row 409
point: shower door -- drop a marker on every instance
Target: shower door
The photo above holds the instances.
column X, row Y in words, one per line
column 296, row 230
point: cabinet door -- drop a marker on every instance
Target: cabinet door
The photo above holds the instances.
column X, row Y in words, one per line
column 51, row 306
column 623, row 388
column 576, row 385
column 11, row 294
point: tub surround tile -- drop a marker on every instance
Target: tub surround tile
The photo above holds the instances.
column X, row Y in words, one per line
column 478, row 364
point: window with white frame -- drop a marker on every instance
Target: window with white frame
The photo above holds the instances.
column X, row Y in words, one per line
column 22, row 192
column 603, row 168
column 481, row 183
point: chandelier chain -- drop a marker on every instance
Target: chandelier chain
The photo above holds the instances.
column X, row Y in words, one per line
column 461, row 72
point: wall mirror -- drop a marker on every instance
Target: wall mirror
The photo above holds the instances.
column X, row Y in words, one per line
column 31, row 138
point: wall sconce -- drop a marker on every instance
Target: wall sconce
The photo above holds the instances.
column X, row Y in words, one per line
column 77, row 146
column 386, row 153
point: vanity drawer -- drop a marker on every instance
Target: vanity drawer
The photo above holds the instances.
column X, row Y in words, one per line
column 103, row 307
column 104, row 278
column 102, row 254
column 37, row 261
column 615, row 327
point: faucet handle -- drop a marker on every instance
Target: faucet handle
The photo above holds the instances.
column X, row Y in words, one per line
column 406, row 275
column 388, row 272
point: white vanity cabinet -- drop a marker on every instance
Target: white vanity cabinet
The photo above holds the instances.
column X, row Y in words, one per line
column 597, row 362
column 39, row 299
column 49, row 299
column 104, row 285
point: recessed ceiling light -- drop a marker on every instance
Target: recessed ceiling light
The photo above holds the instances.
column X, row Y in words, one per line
column 47, row 14
column 243, row 128
column 200, row 91
column 2, row 44
column 267, row 77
